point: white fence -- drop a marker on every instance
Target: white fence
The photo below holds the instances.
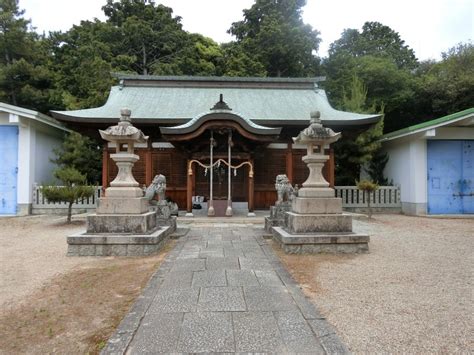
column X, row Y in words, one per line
column 40, row 202
column 384, row 197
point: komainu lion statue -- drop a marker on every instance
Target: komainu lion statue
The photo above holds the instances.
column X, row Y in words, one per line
column 158, row 186
column 285, row 191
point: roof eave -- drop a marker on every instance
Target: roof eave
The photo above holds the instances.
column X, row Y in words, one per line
column 439, row 122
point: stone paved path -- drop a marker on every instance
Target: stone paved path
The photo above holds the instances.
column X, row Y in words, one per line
column 222, row 289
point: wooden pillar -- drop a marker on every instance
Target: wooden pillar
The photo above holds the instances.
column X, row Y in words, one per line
column 289, row 162
column 251, row 189
column 331, row 168
column 189, row 188
column 148, row 166
column 105, row 167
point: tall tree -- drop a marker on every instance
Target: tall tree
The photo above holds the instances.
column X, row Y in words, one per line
column 357, row 149
column 83, row 59
column 25, row 79
column 273, row 31
column 447, row 86
column 380, row 58
column 376, row 40
column 149, row 32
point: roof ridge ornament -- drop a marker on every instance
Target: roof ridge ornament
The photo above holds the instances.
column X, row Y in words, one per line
column 221, row 104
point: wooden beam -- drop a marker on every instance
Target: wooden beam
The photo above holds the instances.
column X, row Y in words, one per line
column 331, row 168
column 148, row 166
column 189, row 190
column 289, row 162
column 105, row 167
column 251, row 189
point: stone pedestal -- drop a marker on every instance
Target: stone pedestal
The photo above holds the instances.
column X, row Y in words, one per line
column 317, row 225
column 277, row 216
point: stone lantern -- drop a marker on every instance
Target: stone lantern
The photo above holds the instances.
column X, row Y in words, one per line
column 316, row 137
column 124, row 194
column 123, row 223
column 316, row 223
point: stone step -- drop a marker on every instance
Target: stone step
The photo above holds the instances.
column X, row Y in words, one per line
column 321, row 242
column 109, row 244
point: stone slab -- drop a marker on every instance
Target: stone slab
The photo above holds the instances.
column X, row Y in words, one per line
column 316, row 192
column 151, row 339
column 297, row 334
column 209, row 278
column 350, row 243
column 121, row 223
column 296, row 223
column 123, row 192
column 124, row 205
column 252, row 263
column 207, row 332
column 222, row 263
column 175, row 301
column 266, row 298
column 257, row 332
column 323, row 205
column 268, row 278
column 241, row 278
column 177, row 280
column 82, row 244
column 221, row 299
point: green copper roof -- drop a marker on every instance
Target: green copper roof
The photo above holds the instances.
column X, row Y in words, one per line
column 424, row 126
column 177, row 100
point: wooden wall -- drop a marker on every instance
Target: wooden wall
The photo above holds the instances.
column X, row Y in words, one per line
column 173, row 164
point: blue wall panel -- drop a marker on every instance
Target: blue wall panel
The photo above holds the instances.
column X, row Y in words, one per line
column 8, row 169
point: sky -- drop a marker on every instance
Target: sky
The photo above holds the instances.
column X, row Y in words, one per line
column 428, row 27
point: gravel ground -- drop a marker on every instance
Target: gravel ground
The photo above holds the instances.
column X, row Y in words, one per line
column 32, row 251
column 413, row 293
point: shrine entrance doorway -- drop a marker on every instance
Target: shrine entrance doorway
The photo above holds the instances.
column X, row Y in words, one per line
column 221, row 146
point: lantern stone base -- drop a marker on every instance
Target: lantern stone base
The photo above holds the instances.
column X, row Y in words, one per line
column 317, row 225
column 122, row 205
column 325, row 205
column 110, row 244
column 122, row 223
column 316, row 243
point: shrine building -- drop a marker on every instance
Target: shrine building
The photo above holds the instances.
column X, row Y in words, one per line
column 242, row 126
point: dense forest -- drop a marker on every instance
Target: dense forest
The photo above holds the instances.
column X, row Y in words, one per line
column 367, row 70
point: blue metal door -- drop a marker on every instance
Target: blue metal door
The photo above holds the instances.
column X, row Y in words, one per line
column 450, row 177
column 468, row 176
column 8, row 169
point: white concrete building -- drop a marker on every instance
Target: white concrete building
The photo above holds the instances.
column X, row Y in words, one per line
column 433, row 163
column 27, row 139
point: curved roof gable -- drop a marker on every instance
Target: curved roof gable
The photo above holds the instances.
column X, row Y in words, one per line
column 214, row 115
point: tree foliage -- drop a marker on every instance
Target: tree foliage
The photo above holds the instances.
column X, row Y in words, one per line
column 368, row 187
column 73, row 188
column 375, row 40
column 367, row 69
column 358, row 150
column 25, row 78
column 274, row 33
column 82, row 154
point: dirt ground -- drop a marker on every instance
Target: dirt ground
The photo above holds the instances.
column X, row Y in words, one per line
column 51, row 303
column 413, row 293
